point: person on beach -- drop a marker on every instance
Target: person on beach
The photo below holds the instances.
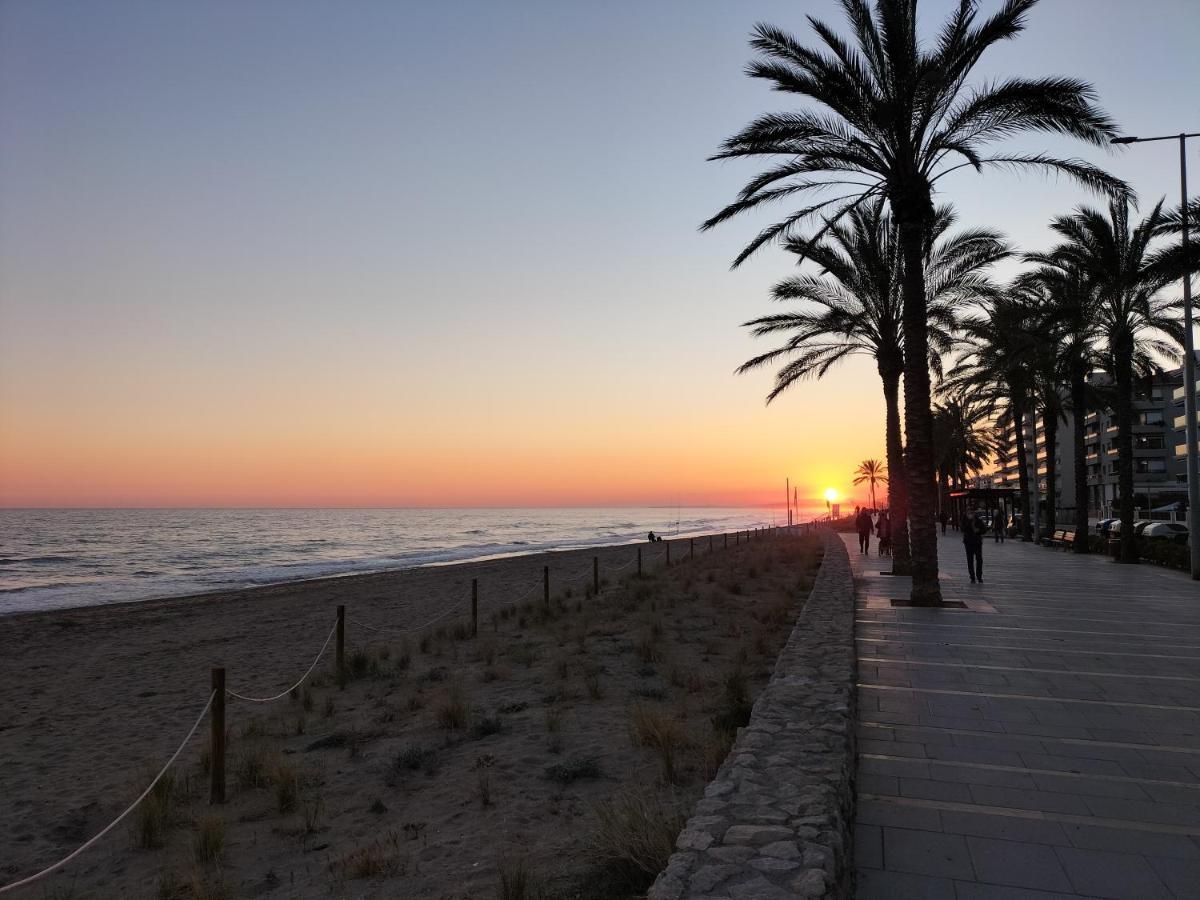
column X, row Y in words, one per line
column 864, row 526
column 651, row 537
column 972, row 531
column 943, row 518
column 883, row 530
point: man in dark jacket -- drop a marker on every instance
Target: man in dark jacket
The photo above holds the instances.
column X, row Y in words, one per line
column 865, row 526
column 972, row 532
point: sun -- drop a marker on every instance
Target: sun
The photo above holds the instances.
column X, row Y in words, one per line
column 831, row 494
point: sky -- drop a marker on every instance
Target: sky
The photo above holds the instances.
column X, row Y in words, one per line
column 392, row 253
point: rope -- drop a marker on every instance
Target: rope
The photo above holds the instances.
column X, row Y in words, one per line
column 285, row 691
column 115, row 822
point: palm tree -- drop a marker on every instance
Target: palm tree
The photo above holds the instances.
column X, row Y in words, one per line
column 998, row 348
column 1070, row 306
column 964, row 438
column 899, row 117
column 870, row 471
column 1127, row 273
column 856, row 307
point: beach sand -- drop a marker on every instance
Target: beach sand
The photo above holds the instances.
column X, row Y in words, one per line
column 93, row 701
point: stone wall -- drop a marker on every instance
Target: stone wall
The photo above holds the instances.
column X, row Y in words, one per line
column 776, row 821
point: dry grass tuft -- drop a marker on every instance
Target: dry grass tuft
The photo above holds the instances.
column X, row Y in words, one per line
column 454, row 711
column 662, row 732
column 208, row 843
column 156, row 814
column 635, row 835
column 518, row 882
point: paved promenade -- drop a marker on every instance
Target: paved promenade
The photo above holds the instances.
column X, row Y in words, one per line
column 1043, row 742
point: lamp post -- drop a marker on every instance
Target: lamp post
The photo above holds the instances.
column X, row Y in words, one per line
column 1189, row 362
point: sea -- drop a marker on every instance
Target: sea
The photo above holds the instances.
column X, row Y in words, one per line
column 64, row 558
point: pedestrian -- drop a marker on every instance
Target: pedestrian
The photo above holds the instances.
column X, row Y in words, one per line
column 864, row 525
column 972, row 532
column 883, row 528
column 998, row 528
column 943, row 518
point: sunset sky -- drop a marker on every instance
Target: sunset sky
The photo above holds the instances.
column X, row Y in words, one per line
column 394, row 253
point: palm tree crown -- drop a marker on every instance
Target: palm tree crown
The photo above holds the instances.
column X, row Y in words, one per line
column 871, row 472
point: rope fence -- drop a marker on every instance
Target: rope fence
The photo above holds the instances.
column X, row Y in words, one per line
column 214, row 708
column 38, row 876
column 307, row 672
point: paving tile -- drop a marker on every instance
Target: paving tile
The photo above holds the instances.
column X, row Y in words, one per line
column 1010, row 828
column 881, row 812
column 1113, row 875
column 1122, row 840
column 875, row 884
column 1181, row 876
column 927, row 789
column 868, row 846
column 1013, row 798
column 1017, row 864
column 926, row 853
column 973, row 891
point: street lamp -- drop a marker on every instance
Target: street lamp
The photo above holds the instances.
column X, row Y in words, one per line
column 1189, row 362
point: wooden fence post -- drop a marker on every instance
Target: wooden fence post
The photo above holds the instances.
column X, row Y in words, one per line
column 710, row 543
column 546, row 586
column 341, row 647
column 596, row 575
column 216, row 715
column 691, row 547
column 639, row 562
column 474, row 607
column 668, row 554
column 726, row 536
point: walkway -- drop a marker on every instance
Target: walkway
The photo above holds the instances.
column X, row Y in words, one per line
column 1043, row 742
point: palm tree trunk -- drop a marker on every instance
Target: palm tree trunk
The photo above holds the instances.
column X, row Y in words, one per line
column 1123, row 359
column 897, row 493
column 1018, row 417
column 918, row 418
column 1050, row 439
column 1079, row 406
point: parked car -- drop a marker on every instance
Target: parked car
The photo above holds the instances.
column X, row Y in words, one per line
column 1166, row 531
column 1103, row 526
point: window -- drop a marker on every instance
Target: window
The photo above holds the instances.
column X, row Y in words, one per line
column 1148, row 442
column 1149, row 466
column 1153, row 417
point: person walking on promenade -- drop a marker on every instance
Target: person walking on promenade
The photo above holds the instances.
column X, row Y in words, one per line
column 943, row 518
column 864, row 525
column 883, row 529
column 972, row 532
column 998, row 528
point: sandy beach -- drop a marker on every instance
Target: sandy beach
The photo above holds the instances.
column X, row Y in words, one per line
column 93, row 700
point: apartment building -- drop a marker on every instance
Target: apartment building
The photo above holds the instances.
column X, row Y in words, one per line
column 1159, row 475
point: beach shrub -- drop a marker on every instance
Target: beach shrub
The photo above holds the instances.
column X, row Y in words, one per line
column 155, row 814
column 518, row 882
column 635, row 836
column 285, row 779
column 734, row 711
column 208, row 843
column 454, row 710
column 666, row 735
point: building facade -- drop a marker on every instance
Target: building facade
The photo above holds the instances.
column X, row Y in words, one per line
column 1159, row 474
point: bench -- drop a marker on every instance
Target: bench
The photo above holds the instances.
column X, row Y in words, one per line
column 1055, row 539
column 1061, row 538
